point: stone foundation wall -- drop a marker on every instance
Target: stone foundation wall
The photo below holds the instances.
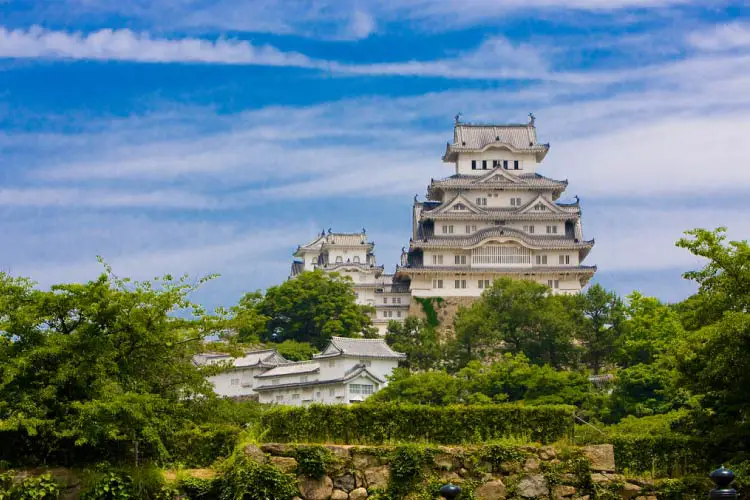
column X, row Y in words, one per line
column 490, row 472
column 445, row 310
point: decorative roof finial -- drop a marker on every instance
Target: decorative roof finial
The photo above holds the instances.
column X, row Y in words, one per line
column 458, row 117
column 364, row 231
column 532, row 118
column 329, row 230
column 578, row 200
column 415, row 197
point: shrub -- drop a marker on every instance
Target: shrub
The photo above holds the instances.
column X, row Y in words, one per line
column 382, row 423
column 313, row 460
column 196, row 488
column 32, row 488
column 407, row 465
column 200, row 446
column 245, row 479
column 110, row 486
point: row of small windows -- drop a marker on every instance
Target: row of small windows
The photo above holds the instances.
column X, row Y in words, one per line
column 394, row 300
column 389, row 314
column 469, row 229
column 484, row 284
column 437, row 260
column 361, row 389
column 506, row 164
column 296, row 395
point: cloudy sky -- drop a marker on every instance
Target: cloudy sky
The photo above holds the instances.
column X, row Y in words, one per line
column 192, row 136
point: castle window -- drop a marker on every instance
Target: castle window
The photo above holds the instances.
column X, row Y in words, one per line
column 540, row 207
column 515, row 164
column 332, row 392
column 473, row 164
column 515, row 202
column 339, row 260
column 468, row 229
column 565, row 259
column 398, row 314
column 279, row 397
column 500, row 254
column 553, row 283
column 460, row 284
column 505, row 164
column 460, row 259
column 495, row 163
column 437, row 260
column 483, row 283
column 234, row 381
column 528, row 229
column 303, row 378
column 551, row 229
column 295, row 396
column 356, row 259
column 481, row 201
column 484, row 164
column 437, row 283
column 541, row 260
column 385, row 300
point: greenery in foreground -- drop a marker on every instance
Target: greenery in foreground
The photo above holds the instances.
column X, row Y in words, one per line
column 103, row 372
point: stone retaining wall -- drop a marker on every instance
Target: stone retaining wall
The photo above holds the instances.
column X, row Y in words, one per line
column 491, row 472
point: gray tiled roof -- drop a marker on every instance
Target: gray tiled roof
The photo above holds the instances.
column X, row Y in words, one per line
column 263, row 357
column 354, row 372
column 515, row 213
column 291, row 369
column 370, row 348
column 332, row 266
column 518, row 138
column 527, row 181
column 549, row 242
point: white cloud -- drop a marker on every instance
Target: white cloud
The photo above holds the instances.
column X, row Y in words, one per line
column 126, row 45
column 722, row 37
column 361, row 25
column 102, row 198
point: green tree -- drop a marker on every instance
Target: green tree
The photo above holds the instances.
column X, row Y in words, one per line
column 295, row 351
column 415, row 338
column 428, row 388
column 100, row 363
column 642, row 390
column 651, row 328
column 246, row 321
column 724, row 281
column 313, row 307
column 601, row 323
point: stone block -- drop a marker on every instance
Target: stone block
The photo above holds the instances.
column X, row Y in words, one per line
column 347, row 482
column 601, row 456
column 254, row 452
column 315, row 489
column 628, row 491
column 531, row 464
column 285, row 464
column 493, row 490
column 378, row 477
column 562, row 491
column 532, row 486
column 339, row 495
column 362, row 460
column 358, row 494
column 277, row 449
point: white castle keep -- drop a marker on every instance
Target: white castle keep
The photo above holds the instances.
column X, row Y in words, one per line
column 496, row 216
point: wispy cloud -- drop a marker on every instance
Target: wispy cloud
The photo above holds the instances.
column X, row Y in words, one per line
column 126, row 45
column 722, row 37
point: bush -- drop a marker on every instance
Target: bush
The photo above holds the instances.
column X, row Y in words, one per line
column 32, row 488
column 245, row 479
column 196, row 488
column 110, row 486
column 200, row 446
column 383, row 423
column 313, row 460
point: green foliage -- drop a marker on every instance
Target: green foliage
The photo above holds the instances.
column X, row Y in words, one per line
column 407, row 468
column 110, row 486
column 246, row 320
column 498, row 453
column 512, row 378
column 724, row 281
column 200, row 446
column 313, row 461
column 313, row 307
column 244, row 479
column 428, row 306
column 199, row 488
column 296, row 351
column 601, row 324
column 418, row 340
column 42, row 487
column 377, row 423
column 651, row 329
column 100, row 370
column 516, row 316
column 642, row 390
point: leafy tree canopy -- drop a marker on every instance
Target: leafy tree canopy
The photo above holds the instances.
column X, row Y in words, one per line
column 105, row 361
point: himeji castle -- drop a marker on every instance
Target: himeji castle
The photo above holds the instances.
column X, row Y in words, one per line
column 495, row 216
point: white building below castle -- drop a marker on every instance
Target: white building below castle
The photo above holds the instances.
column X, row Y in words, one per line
column 347, row 371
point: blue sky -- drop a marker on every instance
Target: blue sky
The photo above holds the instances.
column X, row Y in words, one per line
column 196, row 137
